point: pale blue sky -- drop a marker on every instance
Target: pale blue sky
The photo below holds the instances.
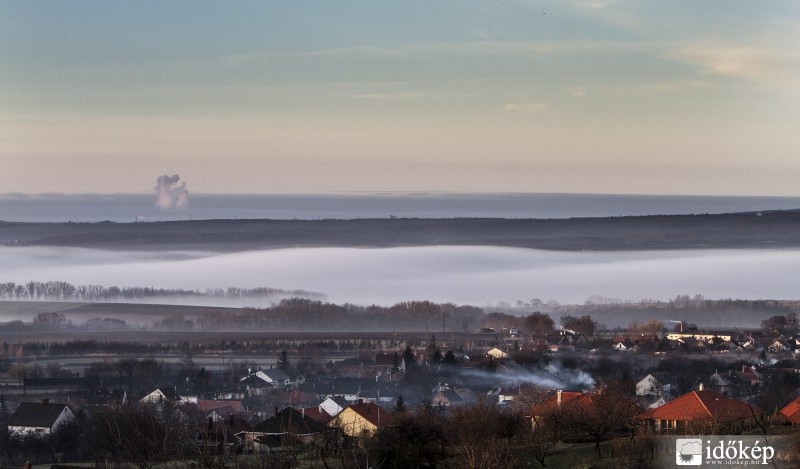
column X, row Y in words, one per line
column 695, row 97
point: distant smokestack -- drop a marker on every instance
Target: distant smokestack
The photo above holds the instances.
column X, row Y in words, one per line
column 170, row 194
column 558, row 398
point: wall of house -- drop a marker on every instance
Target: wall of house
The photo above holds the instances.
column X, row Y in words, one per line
column 353, row 424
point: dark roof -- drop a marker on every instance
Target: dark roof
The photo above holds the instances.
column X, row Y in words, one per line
column 36, row 414
column 340, row 401
column 317, row 414
column 292, row 421
column 169, row 392
column 385, row 359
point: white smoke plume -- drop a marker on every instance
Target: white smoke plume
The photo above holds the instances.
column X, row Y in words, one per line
column 170, row 194
column 552, row 376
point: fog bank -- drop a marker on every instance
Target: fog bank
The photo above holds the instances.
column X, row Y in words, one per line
column 463, row 275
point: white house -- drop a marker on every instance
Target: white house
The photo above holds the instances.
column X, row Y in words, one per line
column 496, row 353
column 40, row 418
column 272, row 376
column 652, row 385
column 333, row 405
column 165, row 394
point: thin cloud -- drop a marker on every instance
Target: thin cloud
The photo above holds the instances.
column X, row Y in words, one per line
column 750, row 63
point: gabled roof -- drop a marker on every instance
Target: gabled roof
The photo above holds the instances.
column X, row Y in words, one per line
column 209, row 405
column 224, row 412
column 290, row 420
column 552, row 402
column 718, row 380
column 703, row 404
column 275, row 374
column 270, row 375
column 449, row 395
column 373, row 414
column 36, row 414
column 792, row 412
column 317, row 414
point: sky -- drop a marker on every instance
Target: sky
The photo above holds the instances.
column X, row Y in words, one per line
column 592, row 96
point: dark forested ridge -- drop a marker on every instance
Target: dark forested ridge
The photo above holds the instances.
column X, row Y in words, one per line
column 737, row 230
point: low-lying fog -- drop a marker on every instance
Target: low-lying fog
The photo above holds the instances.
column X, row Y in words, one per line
column 463, row 275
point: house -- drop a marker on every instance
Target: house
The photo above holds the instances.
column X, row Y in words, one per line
column 446, row 398
column 316, row 413
column 651, row 402
column 700, row 336
column 779, row 345
column 614, row 411
column 164, row 394
column 39, row 418
column 623, row 346
column 790, row 415
column 496, row 353
column 721, row 384
column 222, row 435
column 285, row 429
column 701, row 411
column 334, row 404
column 349, row 388
column 552, row 404
column 207, row 405
column 389, row 363
column 654, row 384
column 363, row 417
column 273, row 377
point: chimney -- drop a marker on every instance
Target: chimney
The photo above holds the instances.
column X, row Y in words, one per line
column 700, row 388
column 230, row 422
column 274, row 411
column 558, row 398
column 45, row 402
column 361, row 401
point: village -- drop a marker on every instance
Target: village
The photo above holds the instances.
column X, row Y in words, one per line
column 536, row 391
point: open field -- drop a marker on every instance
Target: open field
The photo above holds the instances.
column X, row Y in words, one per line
column 738, row 230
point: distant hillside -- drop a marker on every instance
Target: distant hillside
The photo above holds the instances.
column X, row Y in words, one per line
column 737, row 230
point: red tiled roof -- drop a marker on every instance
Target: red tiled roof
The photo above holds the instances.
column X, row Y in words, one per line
column 373, row 414
column 792, row 412
column 697, row 405
column 552, row 402
column 317, row 414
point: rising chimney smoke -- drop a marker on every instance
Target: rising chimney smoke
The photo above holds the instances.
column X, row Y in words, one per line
column 170, row 194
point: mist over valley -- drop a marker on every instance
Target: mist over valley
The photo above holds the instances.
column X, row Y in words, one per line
column 475, row 275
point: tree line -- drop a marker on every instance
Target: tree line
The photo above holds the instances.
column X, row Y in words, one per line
column 65, row 291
